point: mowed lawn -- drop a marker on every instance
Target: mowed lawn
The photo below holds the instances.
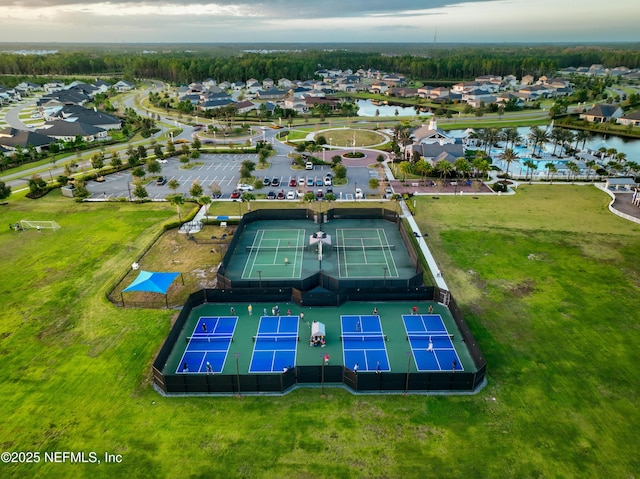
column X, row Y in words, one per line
column 549, row 281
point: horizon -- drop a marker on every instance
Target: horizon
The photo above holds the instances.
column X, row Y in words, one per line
column 285, row 21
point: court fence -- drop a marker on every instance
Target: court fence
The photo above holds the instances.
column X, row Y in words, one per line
column 312, row 376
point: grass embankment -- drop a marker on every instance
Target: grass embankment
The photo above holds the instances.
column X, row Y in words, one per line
column 549, row 280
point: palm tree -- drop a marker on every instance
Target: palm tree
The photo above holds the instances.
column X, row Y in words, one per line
column 531, row 165
column 177, row 201
column 556, row 136
column 462, row 166
column 248, row 198
column 573, row 167
column 538, row 136
column 567, row 138
column 206, row 202
column 508, row 155
column 511, row 135
column 551, row 168
column 582, row 136
column 591, row 164
column 444, row 167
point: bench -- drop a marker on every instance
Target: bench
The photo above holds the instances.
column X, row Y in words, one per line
column 223, row 224
column 415, row 184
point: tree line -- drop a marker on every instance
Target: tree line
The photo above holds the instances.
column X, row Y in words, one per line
column 437, row 64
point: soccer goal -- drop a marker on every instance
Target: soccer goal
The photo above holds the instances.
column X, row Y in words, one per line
column 38, row 225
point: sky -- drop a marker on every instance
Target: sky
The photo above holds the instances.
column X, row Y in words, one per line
column 310, row 21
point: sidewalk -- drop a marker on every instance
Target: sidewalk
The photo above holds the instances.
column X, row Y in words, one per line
column 433, row 266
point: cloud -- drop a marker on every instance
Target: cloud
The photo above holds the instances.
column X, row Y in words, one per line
column 263, row 8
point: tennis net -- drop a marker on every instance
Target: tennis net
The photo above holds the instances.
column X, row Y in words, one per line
column 433, row 337
column 267, row 338
column 209, row 338
column 363, row 337
column 379, row 247
column 281, row 248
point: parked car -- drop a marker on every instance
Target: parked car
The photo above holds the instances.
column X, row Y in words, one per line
column 266, row 181
column 327, row 181
column 271, row 195
column 161, row 181
column 359, row 194
column 235, row 195
column 301, row 181
column 309, row 181
column 388, row 193
column 291, row 195
column 281, row 195
column 244, row 187
column 292, row 182
column 308, row 165
column 319, row 182
column 320, row 194
column 275, row 181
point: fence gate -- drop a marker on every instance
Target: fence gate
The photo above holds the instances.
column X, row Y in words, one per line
column 444, row 297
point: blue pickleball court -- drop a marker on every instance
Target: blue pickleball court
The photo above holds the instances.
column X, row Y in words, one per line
column 431, row 344
column 363, row 343
column 275, row 344
column 208, row 345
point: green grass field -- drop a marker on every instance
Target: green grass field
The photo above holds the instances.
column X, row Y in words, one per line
column 549, row 283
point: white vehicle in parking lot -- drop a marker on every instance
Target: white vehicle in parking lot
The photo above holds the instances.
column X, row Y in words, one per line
column 291, row 195
column 327, row 181
column 244, row 187
column 359, row 194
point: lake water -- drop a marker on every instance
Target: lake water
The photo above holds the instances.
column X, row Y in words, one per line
column 366, row 108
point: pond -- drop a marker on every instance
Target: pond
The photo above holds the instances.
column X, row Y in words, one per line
column 367, row 108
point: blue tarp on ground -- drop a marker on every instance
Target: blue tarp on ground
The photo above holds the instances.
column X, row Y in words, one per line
column 152, row 282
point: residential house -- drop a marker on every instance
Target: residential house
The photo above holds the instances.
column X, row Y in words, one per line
column 402, row 92
column 267, row 84
column 527, row 80
column 284, row 83
column 271, row 94
column 123, row 86
column 11, row 138
column 85, row 115
column 632, row 119
column 245, row 106
column 601, row 113
column 69, row 130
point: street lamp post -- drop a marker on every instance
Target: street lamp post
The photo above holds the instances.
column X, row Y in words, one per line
column 260, row 278
column 406, row 384
column 322, row 366
column 129, row 189
column 237, row 355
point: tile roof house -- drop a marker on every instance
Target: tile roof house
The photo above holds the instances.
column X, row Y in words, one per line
column 601, row 113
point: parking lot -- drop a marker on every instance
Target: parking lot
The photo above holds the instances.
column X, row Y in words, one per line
column 222, row 171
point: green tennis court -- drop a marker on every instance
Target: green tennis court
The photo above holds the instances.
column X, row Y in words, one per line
column 364, row 253
column 275, row 253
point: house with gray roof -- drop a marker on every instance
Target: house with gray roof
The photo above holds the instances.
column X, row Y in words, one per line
column 602, row 112
column 10, row 138
column 632, row 119
column 70, row 130
column 88, row 116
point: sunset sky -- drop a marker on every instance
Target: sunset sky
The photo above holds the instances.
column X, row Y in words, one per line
column 320, row 21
